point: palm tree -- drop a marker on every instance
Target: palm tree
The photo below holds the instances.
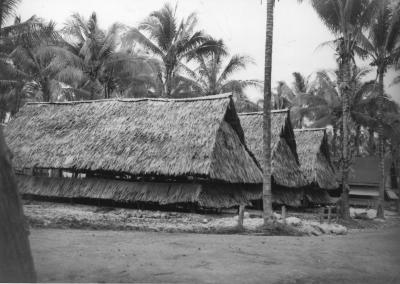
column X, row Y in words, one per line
column 94, row 49
column 267, row 170
column 346, row 19
column 21, row 43
column 212, row 77
column 41, row 68
column 103, row 68
column 7, row 8
column 382, row 46
column 172, row 42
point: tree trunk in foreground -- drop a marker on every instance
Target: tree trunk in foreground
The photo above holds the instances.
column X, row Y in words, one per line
column 16, row 264
column 381, row 151
column 345, row 208
column 267, row 192
column 371, row 141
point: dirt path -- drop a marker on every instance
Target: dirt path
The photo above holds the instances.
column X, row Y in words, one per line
column 98, row 256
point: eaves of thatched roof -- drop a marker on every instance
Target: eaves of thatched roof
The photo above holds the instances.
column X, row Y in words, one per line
column 313, row 151
column 285, row 167
column 205, row 195
column 199, row 137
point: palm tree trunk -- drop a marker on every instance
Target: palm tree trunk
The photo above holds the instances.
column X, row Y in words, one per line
column 168, row 80
column 3, row 114
column 371, row 141
column 334, row 140
column 16, row 263
column 345, row 209
column 267, row 192
column 381, row 149
column 357, row 140
column 46, row 90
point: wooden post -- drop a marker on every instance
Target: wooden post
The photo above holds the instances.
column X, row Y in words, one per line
column 329, row 214
column 241, row 216
column 16, row 263
column 321, row 216
column 283, row 212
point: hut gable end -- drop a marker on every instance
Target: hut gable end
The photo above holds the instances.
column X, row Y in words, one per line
column 315, row 163
column 285, row 166
column 142, row 137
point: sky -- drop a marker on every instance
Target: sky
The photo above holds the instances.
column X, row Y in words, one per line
column 298, row 32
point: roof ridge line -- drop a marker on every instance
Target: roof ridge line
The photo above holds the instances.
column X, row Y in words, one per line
column 309, row 129
column 260, row 112
column 127, row 100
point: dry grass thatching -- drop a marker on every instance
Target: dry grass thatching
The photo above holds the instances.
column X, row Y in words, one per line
column 313, row 151
column 199, row 137
column 285, row 167
column 287, row 196
column 205, row 195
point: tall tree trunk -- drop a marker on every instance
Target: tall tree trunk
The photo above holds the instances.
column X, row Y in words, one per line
column 46, row 90
column 267, row 191
column 3, row 114
column 381, row 149
column 168, row 80
column 345, row 209
column 371, row 141
column 357, row 140
column 16, row 263
column 334, row 143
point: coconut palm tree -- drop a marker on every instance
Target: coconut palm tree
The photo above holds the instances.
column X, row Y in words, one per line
column 267, row 170
column 7, row 9
column 346, row 19
column 19, row 44
column 383, row 47
column 42, row 69
column 93, row 47
column 103, row 66
column 212, row 77
column 172, row 41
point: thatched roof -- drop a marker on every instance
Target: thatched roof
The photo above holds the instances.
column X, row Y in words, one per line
column 285, row 167
column 205, row 195
column 199, row 137
column 314, row 156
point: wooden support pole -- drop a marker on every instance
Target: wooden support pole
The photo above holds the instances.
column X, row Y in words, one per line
column 283, row 213
column 329, row 214
column 241, row 216
column 321, row 216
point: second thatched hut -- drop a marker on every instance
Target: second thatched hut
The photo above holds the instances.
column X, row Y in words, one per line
column 288, row 180
column 315, row 163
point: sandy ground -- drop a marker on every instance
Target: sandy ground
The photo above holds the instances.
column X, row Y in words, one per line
column 371, row 256
column 78, row 216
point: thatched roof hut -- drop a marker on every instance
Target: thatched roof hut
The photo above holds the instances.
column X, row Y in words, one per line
column 314, row 157
column 315, row 163
column 286, row 171
column 197, row 140
column 285, row 166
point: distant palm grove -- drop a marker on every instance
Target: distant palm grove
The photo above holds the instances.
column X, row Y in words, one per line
column 165, row 56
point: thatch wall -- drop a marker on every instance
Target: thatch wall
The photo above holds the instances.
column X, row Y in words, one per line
column 199, row 137
column 285, row 167
column 205, row 195
column 313, row 151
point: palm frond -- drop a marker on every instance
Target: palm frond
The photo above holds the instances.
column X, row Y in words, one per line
column 236, row 63
column 134, row 35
